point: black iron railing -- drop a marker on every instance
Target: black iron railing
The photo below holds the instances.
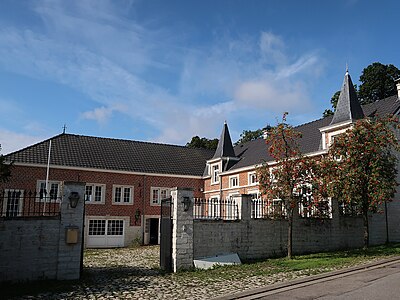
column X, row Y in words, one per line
column 267, row 209
column 19, row 203
column 215, row 209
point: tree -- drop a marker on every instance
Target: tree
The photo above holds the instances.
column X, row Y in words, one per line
column 377, row 82
column 334, row 101
column 204, row 143
column 292, row 174
column 360, row 168
column 5, row 169
column 249, row 135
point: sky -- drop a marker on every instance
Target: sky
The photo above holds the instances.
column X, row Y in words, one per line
column 165, row 71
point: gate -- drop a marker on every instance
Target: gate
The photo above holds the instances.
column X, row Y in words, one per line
column 166, row 235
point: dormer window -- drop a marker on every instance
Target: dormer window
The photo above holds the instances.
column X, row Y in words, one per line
column 215, row 173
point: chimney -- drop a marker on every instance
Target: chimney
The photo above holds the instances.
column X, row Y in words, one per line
column 397, row 81
column 265, row 134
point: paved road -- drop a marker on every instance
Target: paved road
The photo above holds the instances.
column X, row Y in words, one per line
column 377, row 283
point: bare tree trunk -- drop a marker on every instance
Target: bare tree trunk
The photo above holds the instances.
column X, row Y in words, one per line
column 366, row 228
column 290, row 233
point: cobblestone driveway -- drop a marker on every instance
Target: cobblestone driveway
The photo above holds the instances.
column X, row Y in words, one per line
column 133, row 273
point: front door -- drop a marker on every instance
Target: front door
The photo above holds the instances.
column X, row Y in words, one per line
column 154, row 231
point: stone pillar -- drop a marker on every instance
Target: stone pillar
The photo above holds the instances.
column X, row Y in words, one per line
column 71, row 233
column 182, row 229
column 244, row 207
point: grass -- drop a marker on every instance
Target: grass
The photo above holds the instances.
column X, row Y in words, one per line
column 304, row 265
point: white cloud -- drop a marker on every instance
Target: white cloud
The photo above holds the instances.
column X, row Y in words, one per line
column 94, row 48
column 272, row 48
column 99, row 114
column 12, row 141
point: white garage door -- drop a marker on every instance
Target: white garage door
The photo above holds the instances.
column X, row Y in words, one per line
column 105, row 233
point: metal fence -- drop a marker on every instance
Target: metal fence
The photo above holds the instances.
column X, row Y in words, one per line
column 275, row 209
column 317, row 210
column 18, row 203
column 215, row 209
column 349, row 209
column 267, row 209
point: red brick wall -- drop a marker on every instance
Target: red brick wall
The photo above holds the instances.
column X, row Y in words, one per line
column 26, row 178
column 242, row 189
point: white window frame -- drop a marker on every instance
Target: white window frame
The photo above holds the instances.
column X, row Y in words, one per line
column 232, row 195
column 250, row 177
column 254, row 192
column 92, row 199
column 19, row 205
column 215, row 178
column 122, row 201
column 42, row 183
column 159, row 190
column 211, row 207
column 234, row 181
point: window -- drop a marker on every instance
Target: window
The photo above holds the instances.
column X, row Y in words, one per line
column 94, row 193
column 12, row 204
column 100, row 227
column 115, row 227
column 123, row 194
column 53, row 190
column 233, row 181
column 215, row 174
column 254, row 194
column 97, row 227
column 158, row 194
column 253, row 178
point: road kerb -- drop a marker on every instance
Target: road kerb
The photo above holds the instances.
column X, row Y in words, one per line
column 257, row 293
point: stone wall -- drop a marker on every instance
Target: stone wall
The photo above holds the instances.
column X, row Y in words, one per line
column 35, row 248
column 262, row 238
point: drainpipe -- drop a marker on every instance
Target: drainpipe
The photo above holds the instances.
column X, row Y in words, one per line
column 220, row 181
column 143, row 208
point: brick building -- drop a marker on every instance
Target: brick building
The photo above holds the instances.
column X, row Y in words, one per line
column 125, row 181
column 232, row 170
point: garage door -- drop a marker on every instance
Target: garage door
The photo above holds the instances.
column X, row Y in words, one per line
column 105, row 233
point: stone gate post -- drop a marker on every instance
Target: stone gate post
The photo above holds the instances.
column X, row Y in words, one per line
column 71, row 231
column 182, row 228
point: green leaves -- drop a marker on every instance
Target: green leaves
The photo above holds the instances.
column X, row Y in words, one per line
column 5, row 169
column 205, row 143
column 366, row 174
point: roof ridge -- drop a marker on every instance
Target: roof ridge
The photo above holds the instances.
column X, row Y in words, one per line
column 129, row 140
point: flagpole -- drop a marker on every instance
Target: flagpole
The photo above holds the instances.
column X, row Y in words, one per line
column 47, row 178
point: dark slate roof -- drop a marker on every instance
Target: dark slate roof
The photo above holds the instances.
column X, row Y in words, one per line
column 256, row 152
column 348, row 108
column 225, row 147
column 115, row 154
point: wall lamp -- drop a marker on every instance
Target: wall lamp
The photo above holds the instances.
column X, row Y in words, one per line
column 73, row 199
column 186, row 203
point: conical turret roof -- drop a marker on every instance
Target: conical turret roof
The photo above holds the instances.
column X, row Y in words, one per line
column 348, row 108
column 225, row 147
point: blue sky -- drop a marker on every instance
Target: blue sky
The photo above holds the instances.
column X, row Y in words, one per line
column 165, row 71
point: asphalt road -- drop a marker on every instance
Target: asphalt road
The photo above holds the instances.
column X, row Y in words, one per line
column 381, row 283
column 377, row 283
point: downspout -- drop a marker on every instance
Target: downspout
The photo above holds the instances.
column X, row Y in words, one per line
column 220, row 180
column 143, row 208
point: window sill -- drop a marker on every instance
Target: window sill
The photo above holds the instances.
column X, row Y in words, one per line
column 95, row 202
